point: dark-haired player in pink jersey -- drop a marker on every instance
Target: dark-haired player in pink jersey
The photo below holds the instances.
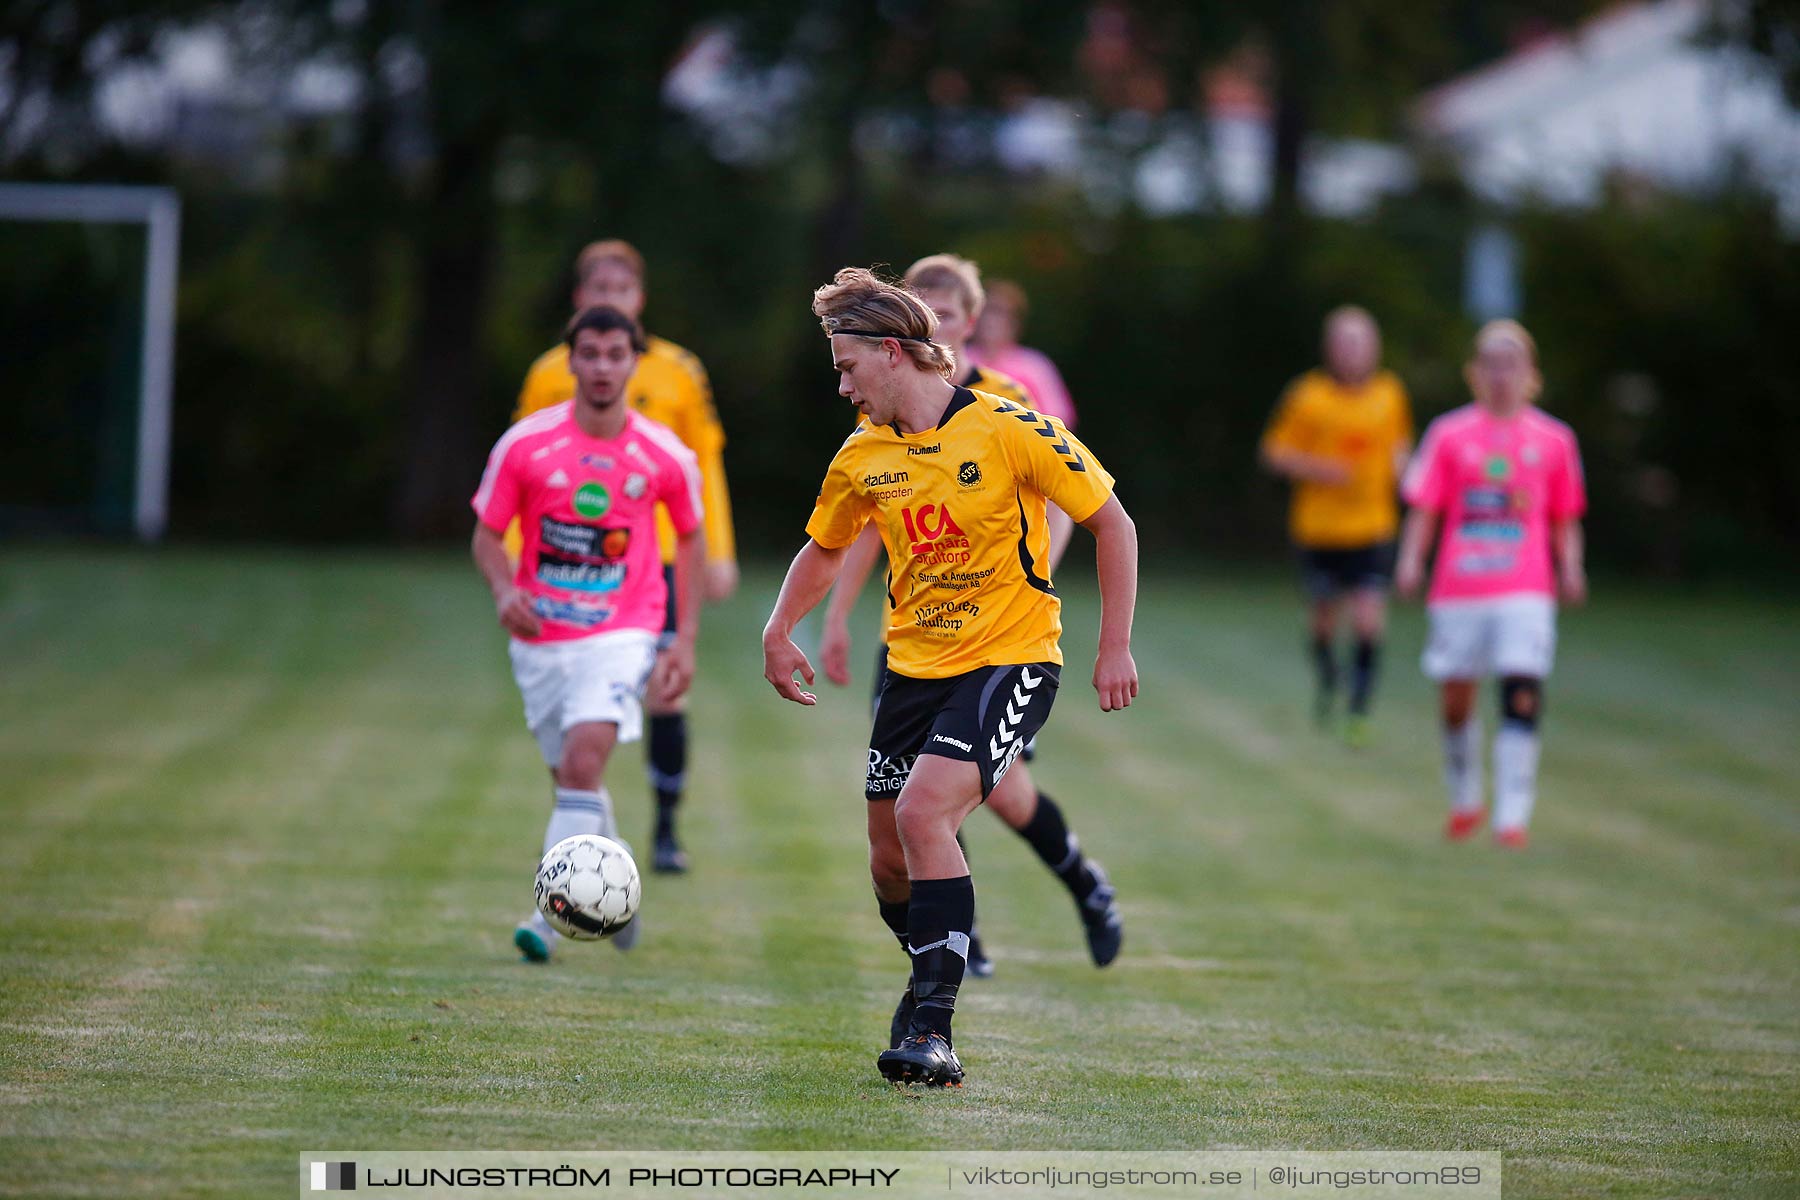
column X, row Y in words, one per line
column 1505, row 481
column 586, row 603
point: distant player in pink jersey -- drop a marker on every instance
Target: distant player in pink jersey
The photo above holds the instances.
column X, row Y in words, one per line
column 996, row 345
column 585, row 604
column 1505, row 480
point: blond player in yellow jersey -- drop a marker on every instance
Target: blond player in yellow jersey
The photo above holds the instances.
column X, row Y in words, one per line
column 951, row 286
column 959, row 483
column 669, row 387
column 1341, row 435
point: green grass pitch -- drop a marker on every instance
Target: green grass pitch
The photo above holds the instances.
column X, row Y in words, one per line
column 267, row 820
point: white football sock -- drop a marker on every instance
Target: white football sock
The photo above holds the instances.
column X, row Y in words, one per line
column 1515, row 775
column 576, row 811
column 1462, row 765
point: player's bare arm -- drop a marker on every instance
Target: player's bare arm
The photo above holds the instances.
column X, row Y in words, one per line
column 1116, row 559
column 675, row 664
column 834, row 640
column 720, row 571
column 808, row 579
column 1571, row 552
column 1299, row 465
column 511, row 603
column 1416, row 536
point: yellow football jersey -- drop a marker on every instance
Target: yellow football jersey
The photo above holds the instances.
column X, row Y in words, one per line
column 961, row 510
column 994, row 383
column 1361, row 426
column 671, row 388
column 997, row 383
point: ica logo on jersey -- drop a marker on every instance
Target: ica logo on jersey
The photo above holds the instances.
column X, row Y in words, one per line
column 934, row 534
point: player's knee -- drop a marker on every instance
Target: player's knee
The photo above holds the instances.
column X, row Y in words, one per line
column 920, row 821
column 1521, row 700
column 1459, row 703
column 582, row 764
column 887, row 869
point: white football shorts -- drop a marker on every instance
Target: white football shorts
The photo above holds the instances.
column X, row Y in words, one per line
column 597, row 678
column 1499, row 635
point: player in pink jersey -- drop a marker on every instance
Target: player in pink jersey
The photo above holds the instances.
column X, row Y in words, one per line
column 585, row 604
column 1505, row 480
column 996, row 344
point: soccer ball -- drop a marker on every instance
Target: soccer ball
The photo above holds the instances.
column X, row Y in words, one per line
column 588, row 887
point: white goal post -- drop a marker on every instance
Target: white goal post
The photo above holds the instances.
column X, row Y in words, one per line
column 159, row 210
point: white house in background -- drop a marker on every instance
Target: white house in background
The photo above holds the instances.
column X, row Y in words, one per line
column 1637, row 90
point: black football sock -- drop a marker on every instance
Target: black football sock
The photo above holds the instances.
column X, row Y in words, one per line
column 964, row 847
column 894, row 916
column 938, row 925
column 1054, row 842
column 1325, row 665
column 668, row 767
column 1362, row 674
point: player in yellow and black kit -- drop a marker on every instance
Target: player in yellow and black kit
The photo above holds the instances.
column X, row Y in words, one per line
column 671, row 388
column 959, row 483
column 1342, row 435
column 951, row 286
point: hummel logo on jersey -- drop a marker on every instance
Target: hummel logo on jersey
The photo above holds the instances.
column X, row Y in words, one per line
column 931, row 449
column 963, row 746
column 1005, row 743
column 557, row 479
column 1041, row 423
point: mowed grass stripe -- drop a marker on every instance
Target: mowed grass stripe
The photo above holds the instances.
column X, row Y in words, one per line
column 337, row 869
column 182, row 1024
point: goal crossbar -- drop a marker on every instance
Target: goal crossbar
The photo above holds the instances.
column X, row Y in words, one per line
column 158, row 209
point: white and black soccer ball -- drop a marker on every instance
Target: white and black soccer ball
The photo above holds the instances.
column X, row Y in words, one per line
column 588, row 887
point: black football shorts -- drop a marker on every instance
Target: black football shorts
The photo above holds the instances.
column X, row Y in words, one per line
column 985, row 716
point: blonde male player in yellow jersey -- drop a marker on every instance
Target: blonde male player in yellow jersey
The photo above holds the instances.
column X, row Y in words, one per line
column 1341, row 434
column 973, row 654
column 951, row 286
column 669, row 387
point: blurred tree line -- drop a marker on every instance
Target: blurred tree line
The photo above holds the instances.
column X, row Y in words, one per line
column 362, row 290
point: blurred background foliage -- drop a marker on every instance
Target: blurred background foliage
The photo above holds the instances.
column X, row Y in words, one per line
column 362, row 291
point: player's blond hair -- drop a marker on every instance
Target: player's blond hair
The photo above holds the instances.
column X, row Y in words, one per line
column 860, row 303
column 609, row 250
column 1506, row 327
column 1351, row 312
column 949, row 273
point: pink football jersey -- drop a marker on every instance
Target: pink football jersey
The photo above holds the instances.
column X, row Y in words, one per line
column 1500, row 485
column 587, row 509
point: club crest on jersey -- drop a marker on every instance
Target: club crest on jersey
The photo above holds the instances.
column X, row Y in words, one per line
column 969, row 474
column 635, row 486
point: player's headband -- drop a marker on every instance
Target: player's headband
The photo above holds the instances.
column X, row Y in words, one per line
column 870, row 333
